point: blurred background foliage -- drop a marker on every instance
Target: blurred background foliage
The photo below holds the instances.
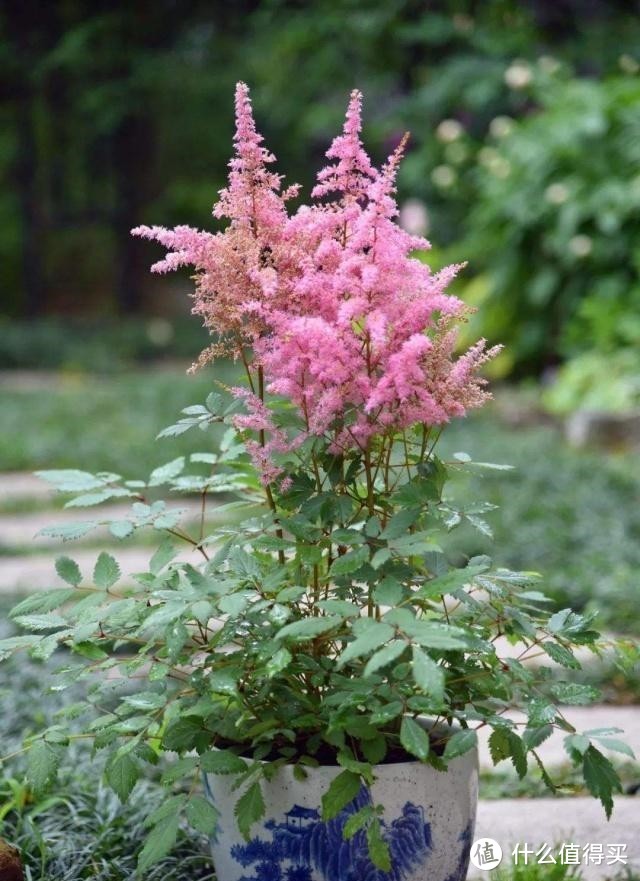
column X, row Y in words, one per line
column 525, row 149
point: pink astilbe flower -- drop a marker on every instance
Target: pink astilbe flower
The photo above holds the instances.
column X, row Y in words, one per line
column 234, row 267
column 343, row 321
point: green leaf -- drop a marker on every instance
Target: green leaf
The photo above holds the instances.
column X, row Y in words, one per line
column 122, row 774
column 351, row 561
column 40, row 622
column 357, row 821
column 618, row 746
column 68, row 570
column 414, row 738
column 42, row 766
column 400, row 523
column 341, row 792
column 167, row 472
column 121, row 528
column 106, row 571
column 600, row 778
column 435, row 635
column 378, row 847
column 160, row 842
column 385, row 656
column 561, row 655
column 249, row 809
column 427, row 675
column 574, row 694
column 69, row 531
column 220, row 761
column 278, row 662
column 308, row 628
column 505, row 744
column 180, row 768
column 450, row 581
column 164, row 555
column 460, row 743
column 202, row 815
column 370, row 635
column 340, row 607
column 72, row 480
column 46, row 601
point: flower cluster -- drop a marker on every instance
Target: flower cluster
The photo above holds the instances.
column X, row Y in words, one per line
column 327, row 304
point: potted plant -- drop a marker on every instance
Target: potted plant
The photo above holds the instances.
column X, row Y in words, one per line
column 314, row 671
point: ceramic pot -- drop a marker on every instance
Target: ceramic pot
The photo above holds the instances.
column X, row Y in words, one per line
column 428, row 822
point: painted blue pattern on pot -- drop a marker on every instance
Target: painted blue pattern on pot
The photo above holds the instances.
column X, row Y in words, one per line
column 302, row 843
column 462, row 868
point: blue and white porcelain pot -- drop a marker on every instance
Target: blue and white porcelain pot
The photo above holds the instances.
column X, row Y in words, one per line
column 428, row 822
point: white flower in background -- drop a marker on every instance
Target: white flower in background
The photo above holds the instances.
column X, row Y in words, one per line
column 581, row 245
column 501, row 126
column 464, row 24
column 456, row 153
column 628, row 64
column 449, row 130
column 518, row 75
column 414, row 217
column 159, row 331
column 500, row 167
column 443, row 176
column 556, row 194
column 548, row 64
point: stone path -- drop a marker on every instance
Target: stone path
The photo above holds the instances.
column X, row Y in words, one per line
column 578, row 821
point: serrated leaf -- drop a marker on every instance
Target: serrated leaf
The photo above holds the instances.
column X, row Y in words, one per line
column 202, row 815
column 600, row 778
column 574, row 694
column 71, row 480
column 167, row 472
column 106, row 571
column 378, row 848
column 414, row 738
column 308, row 628
column 222, row 762
column 159, row 843
column 122, row 774
column 69, row 531
column 163, row 556
column 46, row 601
column 351, row 561
column 249, row 809
column 278, row 662
column 385, row 656
column 121, row 528
column 370, row 635
column 618, row 746
column 561, row 655
column 180, row 768
column 427, row 675
column 342, row 790
column 42, row 766
column 505, row 744
column 460, row 743
column 357, row 821
column 40, row 622
column 68, row 570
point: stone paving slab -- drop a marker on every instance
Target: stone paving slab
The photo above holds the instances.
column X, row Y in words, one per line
column 579, row 821
column 20, row 486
